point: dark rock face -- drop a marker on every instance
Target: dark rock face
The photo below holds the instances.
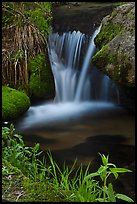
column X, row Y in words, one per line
column 82, row 16
column 116, row 41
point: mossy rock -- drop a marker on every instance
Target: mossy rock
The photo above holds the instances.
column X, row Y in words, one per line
column 117, row 67
column 41, row 81
column 14, row 103
column 107, row 33
column 116, row 43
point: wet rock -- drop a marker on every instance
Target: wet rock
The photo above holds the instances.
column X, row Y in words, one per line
column 116, row 42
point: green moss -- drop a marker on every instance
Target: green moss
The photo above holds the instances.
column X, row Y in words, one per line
column 122, row 69
column 131, row 16
column 12, row 183
column 107, row 33
column 41, row 79
column 119, row 64
column 114, row 13
column 40, row 192
column 14, row 103
column 120, row 3
column 15, row 183
column 100, row 59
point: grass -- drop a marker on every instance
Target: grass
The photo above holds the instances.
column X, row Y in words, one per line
column 33, row 180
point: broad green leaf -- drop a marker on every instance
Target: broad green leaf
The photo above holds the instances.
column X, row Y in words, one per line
column 124, row 197
column 119, row 170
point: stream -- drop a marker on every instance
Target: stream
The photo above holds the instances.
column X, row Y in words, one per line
column 86, row 116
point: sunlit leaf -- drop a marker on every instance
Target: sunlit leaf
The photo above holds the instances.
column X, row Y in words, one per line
column 124, row 197
column 120, row 170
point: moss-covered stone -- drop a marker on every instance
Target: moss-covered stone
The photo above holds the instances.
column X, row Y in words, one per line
column 116, row 43
column 41, row 81
column 102, row 55
column 116, row 66
column 14, row 103
column 107, row 33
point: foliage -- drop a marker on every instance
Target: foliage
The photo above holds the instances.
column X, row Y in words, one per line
column 12, row 182
column 45, row 181
column 36, row 12
column 25, row 27
column 83, row 187
column 38, row 17
column 41, row 80
column 107, row 194
column 14, row 103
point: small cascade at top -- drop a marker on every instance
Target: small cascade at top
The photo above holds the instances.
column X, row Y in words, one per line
column 71, row 63
column 64, row 53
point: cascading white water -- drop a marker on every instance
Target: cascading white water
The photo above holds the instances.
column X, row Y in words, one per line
column 64, row 53
column 83, row 77
column 78, row 91
column 73, row 85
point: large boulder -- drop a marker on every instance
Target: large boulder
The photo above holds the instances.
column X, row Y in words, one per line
column 116, row 43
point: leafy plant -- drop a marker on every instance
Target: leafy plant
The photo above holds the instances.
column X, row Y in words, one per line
column 41, row 80
column 107, row 193
column 67, row 184
column 26, row 26
column 83, row 186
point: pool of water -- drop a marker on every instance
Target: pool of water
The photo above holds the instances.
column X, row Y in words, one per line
column 66, row 126
column 81, row 131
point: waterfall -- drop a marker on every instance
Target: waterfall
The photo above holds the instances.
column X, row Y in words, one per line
column 70, row 61
column 65, row 53
column 81, row 89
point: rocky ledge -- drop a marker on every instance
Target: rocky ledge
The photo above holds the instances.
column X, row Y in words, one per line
column 116, row 43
